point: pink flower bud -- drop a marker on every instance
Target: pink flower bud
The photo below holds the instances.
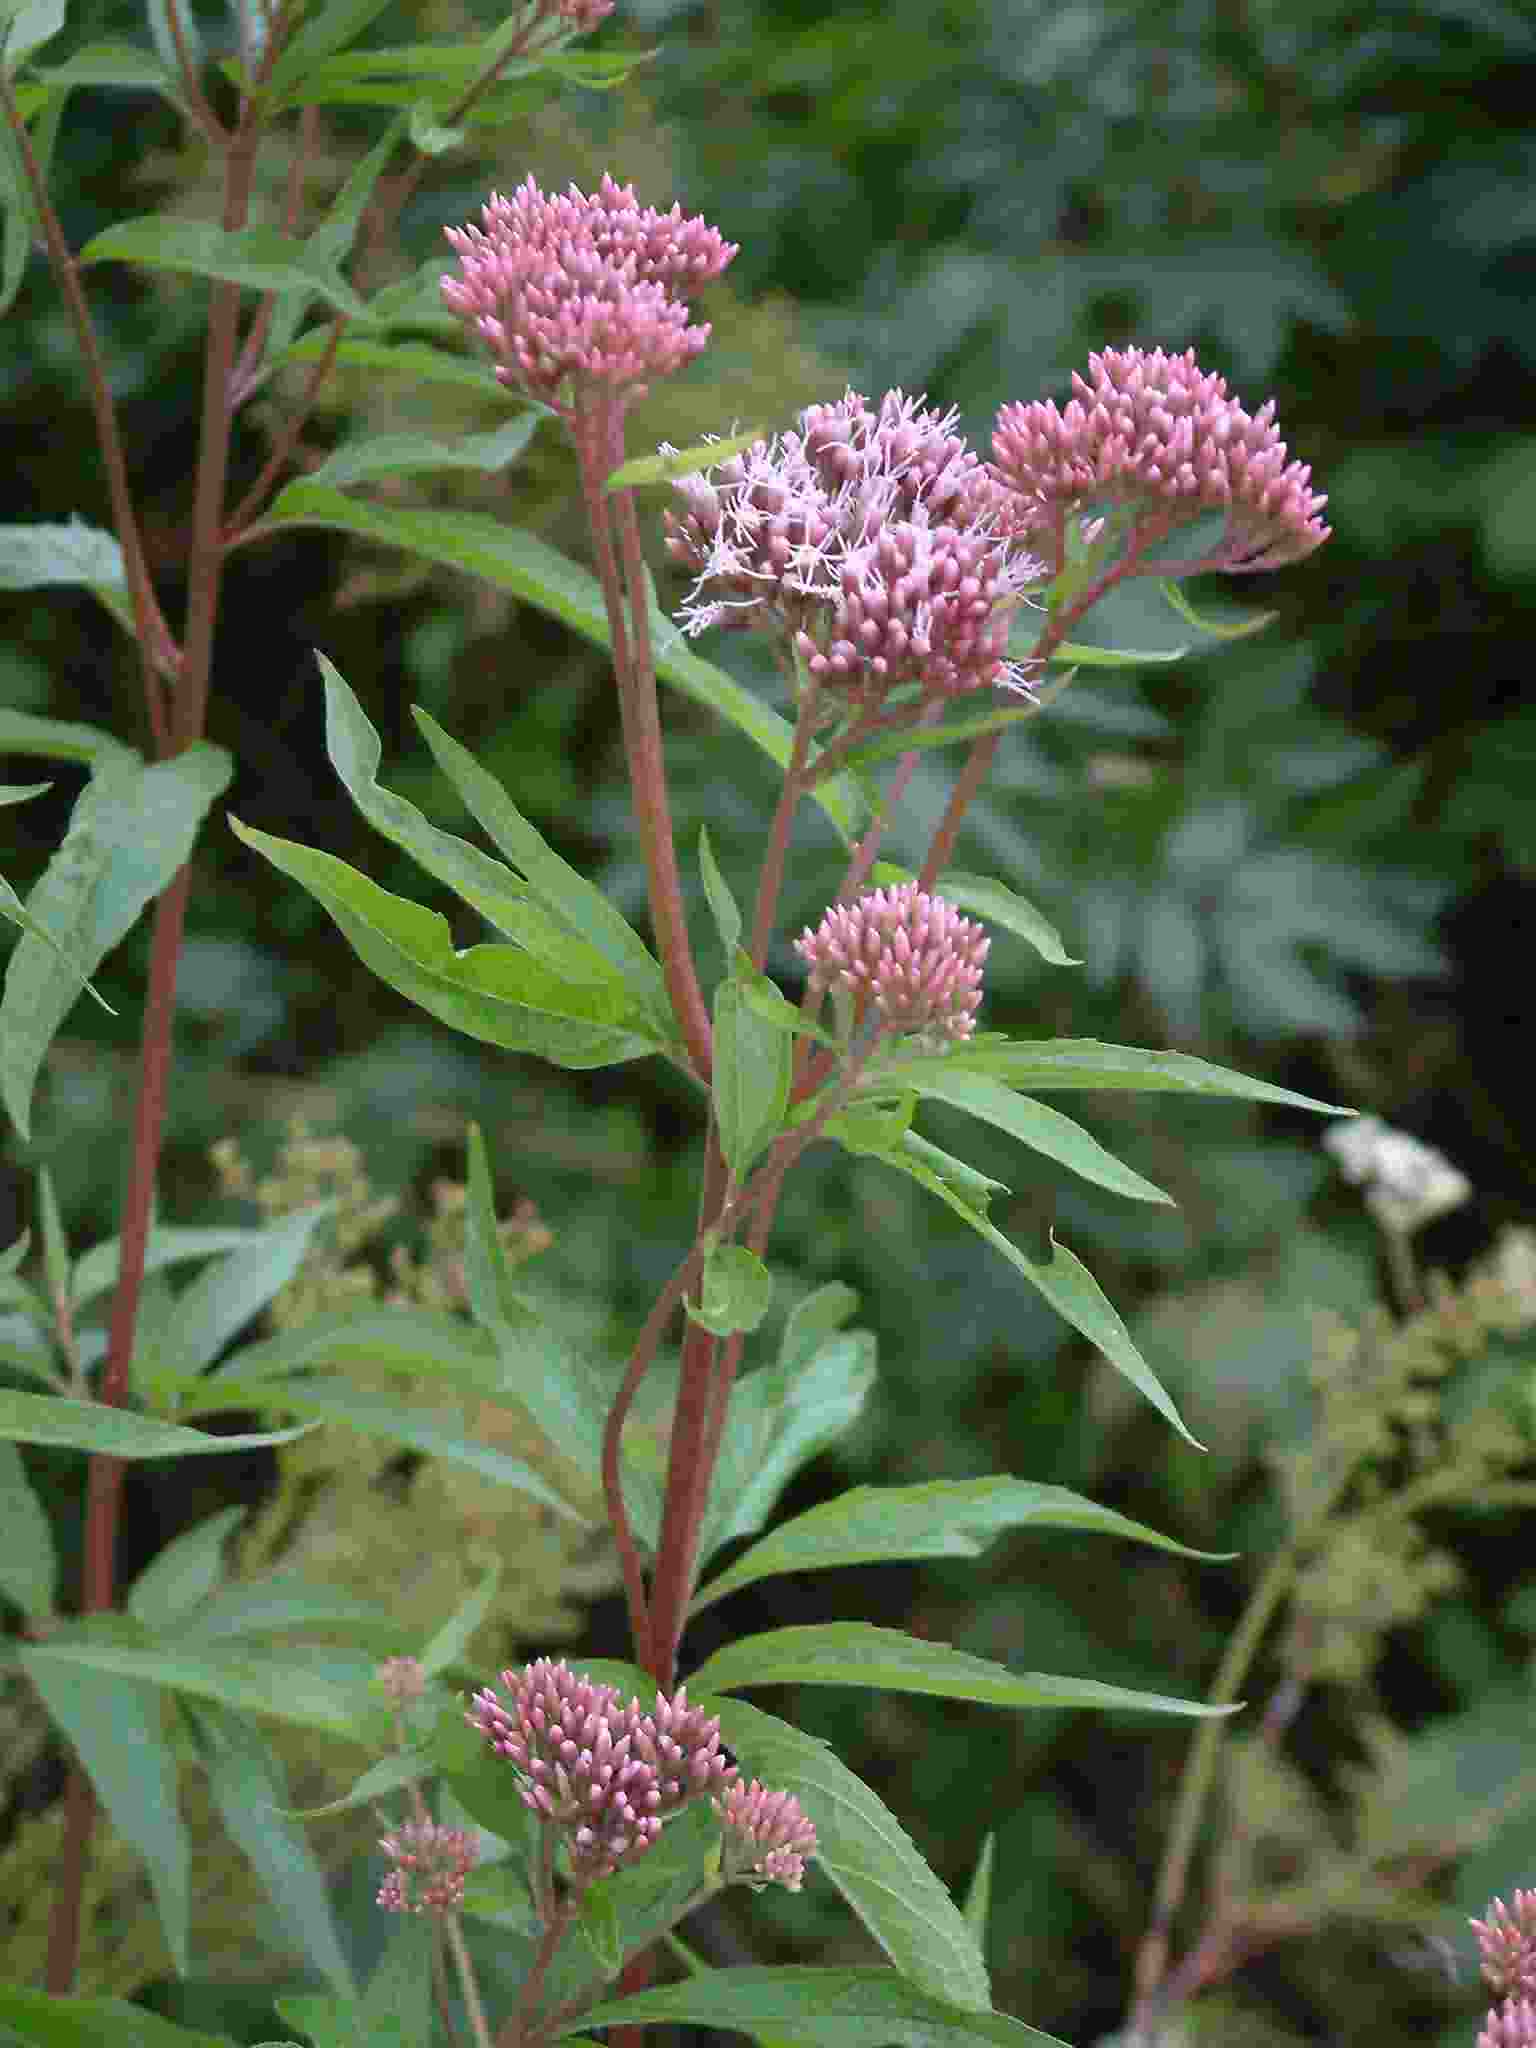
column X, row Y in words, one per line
column 430, row 1866
column 910, row 955
column 767, row 1835
column 1506, row 1943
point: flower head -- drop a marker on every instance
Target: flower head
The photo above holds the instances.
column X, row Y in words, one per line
column 1506, row 1943
column 910, row 955
column 605, row 1774
column 577, row 295
column 430, row 1866
column 768, row 1835
column 872, row 536
column 1510, row 2025
column 1407, row 1184
column 402, row 1679
column 1157, row 432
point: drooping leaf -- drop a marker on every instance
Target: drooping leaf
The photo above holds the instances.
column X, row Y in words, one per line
column 116, row 1432
column 991, row 900
column 292, row 1688
column 403, row 454
column 1041, row 1128
column 939, row 1518
column 112, row 1719
column 131, row 828
column 750, row 1082
column 231, row 1291
column 29, row 1565
column 1050, row 1064
column 261, row 259
column 1220, row 629
column 858, row 1653
column 59, row 739
column 392, row 1773
column 250, row 1790
column 169, row 1245
column 14, row 911
column 492, row 992
column 734, row 1291
column 185, row 1573
column 531, row 570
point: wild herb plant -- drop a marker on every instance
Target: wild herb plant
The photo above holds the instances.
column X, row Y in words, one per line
column 916, row 597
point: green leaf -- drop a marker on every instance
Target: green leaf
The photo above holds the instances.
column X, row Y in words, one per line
column 21, row 793
column 1042, row 1129
column 374, row 1414
column 428, row 135
column 116, row 1432
column 402, row 454
column 670, row 463
column 858, row 1653
column 112, row 1721
column 14, row 911
column 283, row 1601
column 556, row 1387
column 58, row 739
column 96, row 1270
column 750, row 1084
column 417, row 360
column 18, row 218
column 252, row 1682
column 1115, row 657
column 55, row 1246
column 598, row 1924
column 37, row 557
column 1066, row 1284
column 978, row 1893
column 250, row 1790
column 185, row 1574
column 1220, row 629
column 230, row 1292
column 812, row 1321
column 940, row 1518
column 735, row 1291
column 491, row 992
column 780, row 1417
column 1046, row 1064
column 49, row 2022
column 131, row 829
column 919, row 738
column 261, row 259
column 29, row 1565
column 332, row 28
column 27, row 27
column 722, row 903
column 531, row 570
column 863, row 1849
column 391, row 1773
column 118, row 64
column 992, row 901
column 395, row 2010
column 448, row 1645
column 832, row 2008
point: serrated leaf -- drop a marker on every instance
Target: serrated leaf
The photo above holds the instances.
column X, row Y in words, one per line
column 531, row 570
column 991, row 900
column 864, row 1850
column 858, row 1653
column 668, row 464
column 1049, row 1064
column 734, row 1292
column 290, row 1689
column 260, row 259
column 250, row 1790
column 496, row 993
column 112, row 1720
column 717, row 890
column 131, row 828
column 940, row 1518
column 404, row 454
column 29, row 1566
column 185, row 1573
column 750, row 1083
column 117, row 1432
column 1041, row 1128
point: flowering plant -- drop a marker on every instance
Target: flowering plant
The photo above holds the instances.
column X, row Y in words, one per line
column 917, row 596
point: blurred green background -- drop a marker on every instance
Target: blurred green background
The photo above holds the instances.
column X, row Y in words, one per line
column 1311, row 855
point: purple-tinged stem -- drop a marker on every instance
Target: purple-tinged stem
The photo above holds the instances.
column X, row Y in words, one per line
column 771, row 876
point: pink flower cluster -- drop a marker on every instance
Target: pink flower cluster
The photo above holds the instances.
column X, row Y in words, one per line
column 605, row 1774
column 430, row 1866
column 1506, row 1943
column 576, row 295
column 910, row 955
column 768, row 1835
column 1157, row 432
column 874, row 536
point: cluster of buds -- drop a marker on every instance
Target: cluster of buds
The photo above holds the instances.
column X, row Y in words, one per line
column 908, row 955
column 874, row 538
column 768, row 1835
column 402, row 1680
column 429, row 1866
column 1506, row 1943
column 577, row 296
column 1156, row 433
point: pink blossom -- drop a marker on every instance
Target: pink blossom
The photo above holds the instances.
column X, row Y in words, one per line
column 910, row 955
column 430, row 1866
column 1156, row 432
column 1506, row 1943
column 1510, row 2025
column 402, row 1679
column 768, row 1835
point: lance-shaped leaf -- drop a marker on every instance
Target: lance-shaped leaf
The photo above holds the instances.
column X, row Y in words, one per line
column 449, row 1643
column 34, row 557
column 181, row 1577
column 299, row 1690
column 496, row 993
column 1051, row 1064
column 402, row 454
column 132, row 827
column 941, row 1518
column 1039, row 1127
column 44, row 2021
column 531, row 570
column 978, row 1894
column 417, row 360
column 232, row 1290
column 29, row 1566
column 997, row 904
column 668, row 464
column 750, row 1084
column 117, row 1432
column 717, row 890
column 112, row 1720
column 96, row 1270
column 832, row 2008
column 864, row 1850
column 14, row 911
column 262, row 259
column 858, row 1653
